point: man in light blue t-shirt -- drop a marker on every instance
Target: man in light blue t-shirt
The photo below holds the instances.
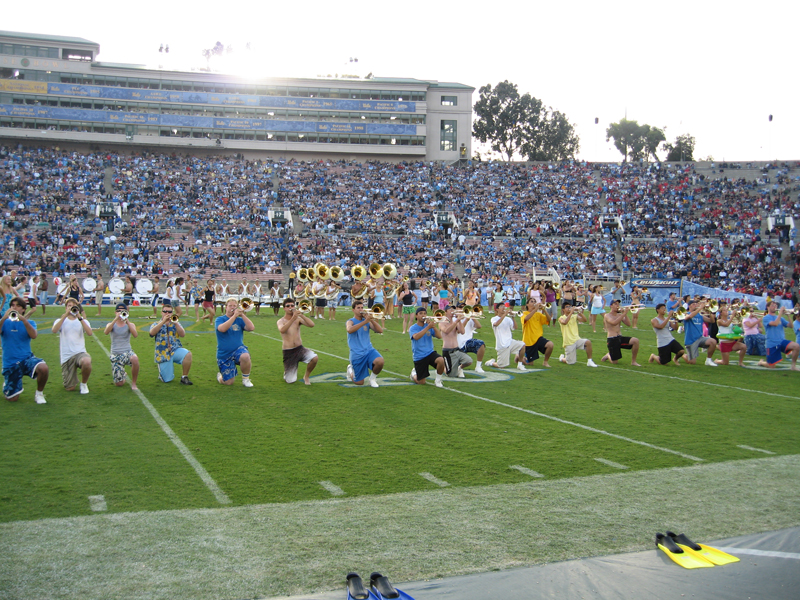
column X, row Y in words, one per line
column 694, row 338
column 777, row 344
column 231, row 350
column 422, row 351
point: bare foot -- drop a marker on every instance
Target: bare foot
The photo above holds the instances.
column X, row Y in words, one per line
column 635, row 364
column 719, row 361
column 605, row 358
column 133, row 386
column 306, row 380
column 762, row 363
column 795, row 368
column 546, row 365
column 652, row 358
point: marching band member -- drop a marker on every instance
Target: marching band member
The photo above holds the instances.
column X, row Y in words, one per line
column 332, row 298
column 777, row 344
column 169, row 350
column 209, row 292
column 408, row 301
column 693, row 334
column 274, row 297
column 615, row 341
column 18, row 359
column 454, row 359
column 422, row 333
column 727, row 345
column 666, row 344
column 425, row 294
column 754, row 335
column 154, row 299
column 293, row 351
column 598, row 302
column 533, row 320
column 317, row 295
column 505, row 345
column 72, row 326
column 231, row 350
column 636, row 298
column 471, row 296
column 363, row 357
column 468, row 344
column 99, row 292
column 571, row 339
column 122, row 353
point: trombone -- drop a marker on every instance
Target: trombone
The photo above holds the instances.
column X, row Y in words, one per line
column 439, row 315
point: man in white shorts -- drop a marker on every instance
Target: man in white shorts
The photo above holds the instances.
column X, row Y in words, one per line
column 503, row 327
column 572, row 340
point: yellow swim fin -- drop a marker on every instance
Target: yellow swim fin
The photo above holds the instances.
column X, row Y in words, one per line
column 718, row 557
column 683, row 558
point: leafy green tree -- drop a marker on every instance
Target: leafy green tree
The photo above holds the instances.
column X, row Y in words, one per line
column 635, row 141
column 520, row 124
column 682, row 149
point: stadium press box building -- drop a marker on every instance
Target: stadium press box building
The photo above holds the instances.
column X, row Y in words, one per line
column 53, row 90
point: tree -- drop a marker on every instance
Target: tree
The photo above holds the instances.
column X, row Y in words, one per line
column 635, row 141
column 682, row 149
column 514, row 124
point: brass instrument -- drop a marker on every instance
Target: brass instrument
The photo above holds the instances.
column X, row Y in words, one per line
column 124, row 315
column 321, row 270
column 377, row 311
column 635, row 308
column 75, row 311
column 302, row 274
column 555, row 285
column 174, row 318
column 477, row 312
column 333, row 294
column 305, row 306
column 375, row 270
column 13, row 316
column 439, row 315
column 681, row 314
column 337, row 274
column 389, row 271
column 712, row 306
column 300, row 292
column 358, row 273
column 246, row 304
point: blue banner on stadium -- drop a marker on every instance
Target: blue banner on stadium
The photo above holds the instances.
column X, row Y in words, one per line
column 27, row 111
column 244, row 100
column 695, row 289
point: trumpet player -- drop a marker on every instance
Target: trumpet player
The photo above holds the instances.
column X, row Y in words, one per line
column 615, row 341
column 533, row 321
column 454, row 359
column 727, row 342
column 293, row 351
column 72, row 328
column 16, row 333
column 169, row 350
column 467, row 342
column 571, row 339
column 503, row 326
column 231, row 350
column 332, row 298
column 363, row 357
column 422, row 333
column 693, row 332
column 777, row 344
column 122, row 354
column 666, row 344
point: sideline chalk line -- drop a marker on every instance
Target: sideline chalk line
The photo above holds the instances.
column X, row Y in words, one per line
column 221, row 497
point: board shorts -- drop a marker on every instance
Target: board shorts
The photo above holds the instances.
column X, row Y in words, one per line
column 694, row 349
column 453, row 359
column 292, row 359
column 775, row 353
column 331, row 303
column 472, row 345
column 69, row 369
column 665, row 352
column 118, row 363
column 154, row 300
column 727, row 345
column 532, row 352
column 409, row 309
column 421, row 367
column 227, row 366
column 504, row 354
column 12, row 376
column 616, row 344
column 362, row 364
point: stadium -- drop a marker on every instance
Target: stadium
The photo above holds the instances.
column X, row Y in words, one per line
column 146, row 185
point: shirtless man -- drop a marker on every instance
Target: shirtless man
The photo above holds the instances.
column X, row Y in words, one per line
column 616, row 341
column 293, row 351
column 454, row 359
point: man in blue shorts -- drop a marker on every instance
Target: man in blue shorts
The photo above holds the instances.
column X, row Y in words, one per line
column 18, row 360
column 363, row 356
column 231, row 350
column 777, row 344
column 424, row 355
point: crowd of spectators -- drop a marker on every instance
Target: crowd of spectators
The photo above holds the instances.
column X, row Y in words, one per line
column 210, row 216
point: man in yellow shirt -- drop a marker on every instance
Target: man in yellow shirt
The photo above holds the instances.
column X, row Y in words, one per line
column 533, row 319
column 572, row 339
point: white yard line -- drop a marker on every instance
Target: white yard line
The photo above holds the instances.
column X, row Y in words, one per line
column 98, row 503
column 611, row 463
column 434, row 479
column 755, row 449
column 532, row 412
column 335, row 490
column 526, row 471
column 221, row 497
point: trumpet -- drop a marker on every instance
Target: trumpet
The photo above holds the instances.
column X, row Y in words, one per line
column 13, row 316
column 377, row 311
column 438, row 315
column 635, row 308
column 75, row 310
column 246, row 304
column 124, row 315
column 174, row 318
column 304, row 306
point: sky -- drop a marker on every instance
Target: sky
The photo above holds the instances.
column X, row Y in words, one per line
column 714, row 70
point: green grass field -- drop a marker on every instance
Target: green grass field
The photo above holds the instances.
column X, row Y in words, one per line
column 279, row 443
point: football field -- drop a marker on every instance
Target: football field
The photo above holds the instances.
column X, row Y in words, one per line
column 308, row 452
